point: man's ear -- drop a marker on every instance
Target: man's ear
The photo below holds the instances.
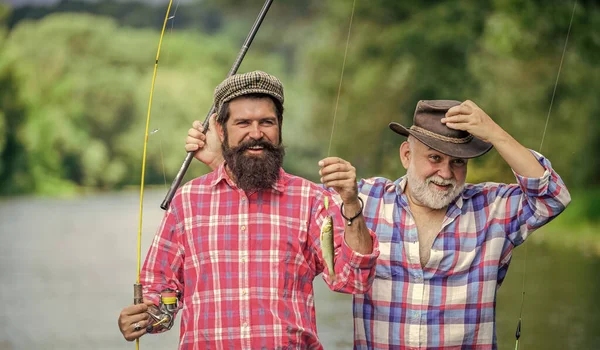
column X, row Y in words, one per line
column 220, row 131
column 405, row 154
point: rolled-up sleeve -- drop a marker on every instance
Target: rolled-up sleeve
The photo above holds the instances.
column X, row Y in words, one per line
column 354, row 272
column 533, row 202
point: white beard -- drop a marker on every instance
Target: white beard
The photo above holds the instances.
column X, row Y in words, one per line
column 432, row 198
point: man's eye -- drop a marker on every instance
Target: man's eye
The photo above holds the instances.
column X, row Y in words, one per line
column 459, row 162
column 434, row 158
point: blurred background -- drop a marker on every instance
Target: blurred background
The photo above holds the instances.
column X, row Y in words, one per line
column 74, row 85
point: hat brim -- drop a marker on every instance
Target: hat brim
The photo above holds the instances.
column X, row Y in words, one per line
column 471, row 149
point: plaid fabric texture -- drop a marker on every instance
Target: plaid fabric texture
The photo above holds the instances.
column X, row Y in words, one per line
column 450, row 303
column 247, row 83
column 246, row 263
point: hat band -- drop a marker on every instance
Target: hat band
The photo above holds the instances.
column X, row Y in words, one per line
column 441, row 137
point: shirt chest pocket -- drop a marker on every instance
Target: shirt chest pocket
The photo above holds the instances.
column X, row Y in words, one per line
column 454, row 253
column 213, row 247
column 278, row 241
column 387, row 265
column 283, row 250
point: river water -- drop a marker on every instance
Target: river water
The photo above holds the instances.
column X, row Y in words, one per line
column 67, row 267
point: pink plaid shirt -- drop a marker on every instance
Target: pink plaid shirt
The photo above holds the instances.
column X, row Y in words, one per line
column 245, row 263
column 450, row 303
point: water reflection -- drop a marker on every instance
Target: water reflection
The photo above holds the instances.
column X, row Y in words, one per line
column 67, row 268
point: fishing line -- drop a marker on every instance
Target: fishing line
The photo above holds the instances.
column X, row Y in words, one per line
column 518, row 331
column 341, row 77
column 162, row 158
column 171, row 25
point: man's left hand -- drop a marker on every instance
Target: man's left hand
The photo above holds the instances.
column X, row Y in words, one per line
column 341, row 176
column 469, row 117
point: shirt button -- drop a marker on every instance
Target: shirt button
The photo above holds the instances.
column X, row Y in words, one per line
column 243, row 260
column 243, row 199
column 243, row 228
column 244, row 292
column 245, row 325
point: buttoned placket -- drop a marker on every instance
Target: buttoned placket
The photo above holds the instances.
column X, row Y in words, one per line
column 244, row 296
column 415, row 292
column 420, row 288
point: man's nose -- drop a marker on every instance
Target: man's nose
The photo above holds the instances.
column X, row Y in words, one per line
column 255, row 132
column 445, row 171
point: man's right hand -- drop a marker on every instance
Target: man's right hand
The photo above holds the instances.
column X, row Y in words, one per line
column 134, row 316
column 207, row 147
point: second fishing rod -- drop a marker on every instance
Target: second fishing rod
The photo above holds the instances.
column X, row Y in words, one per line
column 236, row 64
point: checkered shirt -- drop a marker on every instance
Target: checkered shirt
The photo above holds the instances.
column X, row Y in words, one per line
column 246, row 262
column 450, row 303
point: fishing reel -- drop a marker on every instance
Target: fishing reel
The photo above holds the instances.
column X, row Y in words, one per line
column 162, row 316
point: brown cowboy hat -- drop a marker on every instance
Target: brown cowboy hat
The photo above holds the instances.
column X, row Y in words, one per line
column 428, row 129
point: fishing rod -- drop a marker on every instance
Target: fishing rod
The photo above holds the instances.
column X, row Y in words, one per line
column 518, row 331
column 190, row 155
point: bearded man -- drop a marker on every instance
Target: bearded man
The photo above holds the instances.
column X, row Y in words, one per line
column 445, row 246
column 242, row 243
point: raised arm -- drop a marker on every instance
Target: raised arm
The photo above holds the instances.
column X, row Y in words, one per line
column 469, row 117
column 539, row 195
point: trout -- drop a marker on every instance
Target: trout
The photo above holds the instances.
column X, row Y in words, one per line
column 327, row 245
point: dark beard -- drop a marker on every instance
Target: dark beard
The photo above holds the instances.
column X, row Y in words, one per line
column 252, row 173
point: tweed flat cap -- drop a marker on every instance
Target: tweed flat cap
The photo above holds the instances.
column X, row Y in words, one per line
column 256, row 82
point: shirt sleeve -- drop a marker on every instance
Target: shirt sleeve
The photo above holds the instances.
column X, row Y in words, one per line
column 163, row 267
column 532, row 202
column 354, row 272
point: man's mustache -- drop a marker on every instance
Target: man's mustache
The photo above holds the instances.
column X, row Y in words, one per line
column 266, row 145
column 440, row 181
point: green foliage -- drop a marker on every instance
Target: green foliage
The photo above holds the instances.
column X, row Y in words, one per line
column 74, row 86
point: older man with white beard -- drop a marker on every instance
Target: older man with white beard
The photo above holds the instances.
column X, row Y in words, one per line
column 445, row 246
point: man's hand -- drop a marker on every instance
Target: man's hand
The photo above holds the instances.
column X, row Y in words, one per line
column 469, row 117
column 341, row 176
column 207, row 147
column 134, row 317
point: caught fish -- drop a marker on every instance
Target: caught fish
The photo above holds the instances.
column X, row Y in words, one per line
column 327, row 243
